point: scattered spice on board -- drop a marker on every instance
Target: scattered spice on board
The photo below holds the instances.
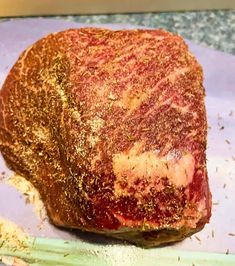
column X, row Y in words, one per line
column 231, row 234
column 221, row 128
column 224, row 186
column 178, row 258
column 12, row 236
column 227, row 252
column 216, row 169
column 7, row 260
column 215, row 203
column 198, row 239
column 233, row 158
column 2, row 176
column 212, row 233
column 30, row 193
column 231, row 113
column 1, row 245
column 227, row 141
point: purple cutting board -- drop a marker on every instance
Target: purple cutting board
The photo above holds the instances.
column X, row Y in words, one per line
column 219, row 71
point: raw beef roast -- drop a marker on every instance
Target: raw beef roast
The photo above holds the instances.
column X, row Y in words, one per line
column 110, row 127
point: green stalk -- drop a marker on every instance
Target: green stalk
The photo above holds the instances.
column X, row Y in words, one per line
column 45, row 251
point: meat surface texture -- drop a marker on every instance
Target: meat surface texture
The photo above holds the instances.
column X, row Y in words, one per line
column 110, row 127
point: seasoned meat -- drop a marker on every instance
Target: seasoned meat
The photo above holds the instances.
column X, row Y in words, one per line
column 110, row 127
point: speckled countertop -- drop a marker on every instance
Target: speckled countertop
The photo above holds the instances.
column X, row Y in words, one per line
column 215, row 29
column 212, row 28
